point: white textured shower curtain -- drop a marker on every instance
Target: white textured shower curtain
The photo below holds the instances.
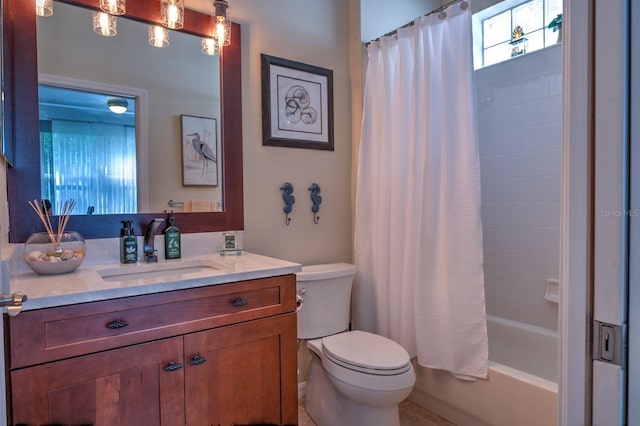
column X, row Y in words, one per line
column 418, row 234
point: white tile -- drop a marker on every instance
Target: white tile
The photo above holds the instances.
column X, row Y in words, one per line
column 510, row 238
column 541, row 264
column 490, row 257
column 541, row 137
column 510, row 286
column 490, row 188
column 534, row 87
column 542, row 163
column 535, row 313
column 489, row 213
column 510, row 94
column 489, row 168
column 533, row 288
column 490, row 237
column 542, row 111
column 510, row 166
column 486, row 98
column 508, row 118
column 510, row 262
column 529, row 189
column 554, row 81
column 545, row 240
column 526, row 214
column 510, row 308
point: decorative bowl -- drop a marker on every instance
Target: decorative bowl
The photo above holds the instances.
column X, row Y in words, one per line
column 45, row 258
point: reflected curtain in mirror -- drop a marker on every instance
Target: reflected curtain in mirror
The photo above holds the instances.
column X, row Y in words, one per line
column 91, row 163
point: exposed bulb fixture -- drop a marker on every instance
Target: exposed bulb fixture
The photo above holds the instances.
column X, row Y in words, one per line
column 222, row 24
column 158, row 36
column 172, row 13
column 117, row 105
column 113, row 7
column 104, row 24
column 209, row 46
column 44, row 7
column 220, row 29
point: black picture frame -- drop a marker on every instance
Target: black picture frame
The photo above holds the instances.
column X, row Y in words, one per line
column 297, row 104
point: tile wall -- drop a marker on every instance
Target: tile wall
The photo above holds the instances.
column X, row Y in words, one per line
column 520, row 130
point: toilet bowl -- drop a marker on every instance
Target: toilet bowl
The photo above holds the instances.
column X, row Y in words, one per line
column 354, row 377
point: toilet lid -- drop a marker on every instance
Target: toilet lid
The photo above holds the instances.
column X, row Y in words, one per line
column 366, row 352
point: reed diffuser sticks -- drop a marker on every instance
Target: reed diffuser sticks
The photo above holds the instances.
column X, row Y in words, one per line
column 45, row 218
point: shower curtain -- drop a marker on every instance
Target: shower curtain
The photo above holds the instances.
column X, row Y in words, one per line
column 418, row 234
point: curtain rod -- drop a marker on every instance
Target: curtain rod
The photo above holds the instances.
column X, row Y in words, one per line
column 408, row 24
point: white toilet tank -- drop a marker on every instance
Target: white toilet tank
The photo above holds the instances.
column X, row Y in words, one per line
column 326, row 291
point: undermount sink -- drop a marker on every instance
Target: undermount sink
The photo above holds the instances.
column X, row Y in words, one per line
column 168, row 271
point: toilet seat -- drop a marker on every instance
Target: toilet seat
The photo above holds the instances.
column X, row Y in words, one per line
column 366, row 353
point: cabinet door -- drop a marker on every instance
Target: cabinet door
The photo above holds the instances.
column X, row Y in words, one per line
column 128, row 386
column 249, row 376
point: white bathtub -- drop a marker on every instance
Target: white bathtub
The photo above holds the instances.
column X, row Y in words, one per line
column 521, row 388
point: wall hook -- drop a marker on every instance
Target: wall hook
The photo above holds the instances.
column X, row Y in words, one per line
column 316, row 199
column 289, row 199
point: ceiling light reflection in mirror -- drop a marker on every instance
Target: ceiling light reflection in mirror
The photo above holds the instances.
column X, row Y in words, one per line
column 179, row 80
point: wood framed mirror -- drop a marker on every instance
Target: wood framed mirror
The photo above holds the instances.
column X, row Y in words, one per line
column 21, row 127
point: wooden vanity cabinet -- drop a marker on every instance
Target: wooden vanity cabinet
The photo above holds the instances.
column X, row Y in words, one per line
column 218, row 355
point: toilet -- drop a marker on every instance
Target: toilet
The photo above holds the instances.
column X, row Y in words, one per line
column 354, row 377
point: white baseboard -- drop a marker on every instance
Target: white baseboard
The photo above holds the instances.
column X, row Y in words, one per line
column 302, row 390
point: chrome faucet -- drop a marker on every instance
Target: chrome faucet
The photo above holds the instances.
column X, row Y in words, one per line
column 149, row 237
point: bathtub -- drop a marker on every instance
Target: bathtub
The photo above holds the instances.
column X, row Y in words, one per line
column 521, row 388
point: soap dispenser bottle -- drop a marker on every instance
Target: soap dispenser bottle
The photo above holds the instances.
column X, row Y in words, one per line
column 172, row 249
column 128, row 243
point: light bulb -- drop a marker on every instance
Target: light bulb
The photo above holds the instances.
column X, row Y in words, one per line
column 209, row 46
column 104, row 24
column 113, row 7
column 44, row 7
column 172, row 13
column 158, row 36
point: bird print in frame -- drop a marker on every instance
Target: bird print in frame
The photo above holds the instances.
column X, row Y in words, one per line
column 199, row 151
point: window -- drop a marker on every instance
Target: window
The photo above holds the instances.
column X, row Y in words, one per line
column 92, row 163
column 493, row 27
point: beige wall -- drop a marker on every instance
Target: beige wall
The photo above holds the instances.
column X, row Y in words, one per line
column 314, row 33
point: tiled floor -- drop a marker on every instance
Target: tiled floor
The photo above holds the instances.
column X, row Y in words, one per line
column 410, row 415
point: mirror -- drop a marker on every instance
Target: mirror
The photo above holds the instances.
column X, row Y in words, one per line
column 166, row 83
column 21, row 125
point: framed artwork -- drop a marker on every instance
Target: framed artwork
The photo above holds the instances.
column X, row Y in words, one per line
column 230, row 242
column 297, row 104
column 199, row 151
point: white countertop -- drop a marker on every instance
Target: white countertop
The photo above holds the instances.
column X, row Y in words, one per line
column 87, row 284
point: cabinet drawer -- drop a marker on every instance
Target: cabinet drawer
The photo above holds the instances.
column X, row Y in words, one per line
column 56, row 333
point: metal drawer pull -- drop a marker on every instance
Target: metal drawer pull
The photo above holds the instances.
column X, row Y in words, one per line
column 117, row 324
column 173, row 366
column 197, row 360
column 240, row 302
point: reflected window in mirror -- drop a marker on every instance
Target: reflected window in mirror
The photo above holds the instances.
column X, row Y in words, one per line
column 88, row 150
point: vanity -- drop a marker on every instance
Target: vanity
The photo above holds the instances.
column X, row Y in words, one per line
column 204, row 340
column 207, row 340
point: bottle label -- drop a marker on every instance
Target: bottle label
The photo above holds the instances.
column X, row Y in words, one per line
column 129, row 252
column 172, row 247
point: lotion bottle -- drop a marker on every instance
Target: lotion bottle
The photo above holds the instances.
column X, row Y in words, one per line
column 172, row 246
column 128, row 243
